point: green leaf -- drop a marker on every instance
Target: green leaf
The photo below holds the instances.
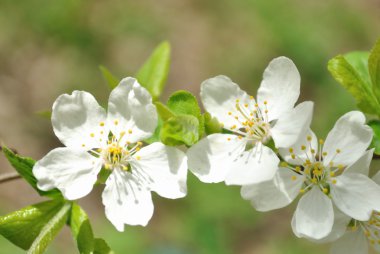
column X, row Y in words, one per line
column 374, row 68
column 110, row 79
column 183, row 102
column 34, row 227
column 359, row 62
column 375, row 125
column 81, row 230
column 180, row 129
column 24, row 166
column 350, row 79
column 211, row 124
column 163, row 111
column 154, row 73
column 101, row 247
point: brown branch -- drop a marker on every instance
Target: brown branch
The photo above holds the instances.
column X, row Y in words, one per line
column 9, row 177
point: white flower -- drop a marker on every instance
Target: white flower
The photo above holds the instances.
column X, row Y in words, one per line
column 94, row 138
column 326, row 174
column 241, row 157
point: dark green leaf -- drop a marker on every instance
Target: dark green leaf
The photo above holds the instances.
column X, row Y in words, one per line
column 163, row 111
column 34, row 227
column 110, row 79
column 81, row 230
column 350, row 79
column 180, row 129
column 183, row 102
column 153, row 74
column 375, row 125
column 101, row 247
column 24, row 166
column 374, row 68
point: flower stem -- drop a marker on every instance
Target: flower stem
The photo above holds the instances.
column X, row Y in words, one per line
column 9, row 177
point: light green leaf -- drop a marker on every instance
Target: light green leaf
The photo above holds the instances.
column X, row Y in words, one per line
column 375, row 125
column 163, row 111
column 110, row 79
column 180, row 129
column 183, row 102
column 81, row 230
column 34, row 227
column 24, row 166
column 101, row 247
column 374, row 68
column 350, row 79
column 154, row 73
column 211, row 124
column 359, row 62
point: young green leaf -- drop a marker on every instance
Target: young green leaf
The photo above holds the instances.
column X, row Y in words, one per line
column 163, row 111
column 375, row 125
column 24, row 166
column 34, row 227
column 211, row 124
column 101, row 247
column 154, row 73
column 374, row 68
column 110, row 79
column 183, row 102
column 81, row 230
column 350, row 79
column 180, row 129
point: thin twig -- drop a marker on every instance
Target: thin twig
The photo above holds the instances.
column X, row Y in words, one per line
column 9, row 177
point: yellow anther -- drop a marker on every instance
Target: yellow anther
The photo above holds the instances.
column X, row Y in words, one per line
column 293, row 156
column 256, row 105
column 333, row 181
column 233, row 127
column 101, row 124
column 138, row 157
column 331, row 164
column 101, row 132
column 325, row 190
column 137, row 149
column 228, row 139
column 312, row 151
column 237, row 100
column 283, row 164
column 107, row 166
column 130, row 131
column 321, row 141
column 332, row 174
column 240, row 137
column 236, row 117
column 229, row 113
column 125, row 168
column 139, row 143
column 308, row 162
column 298, row 169
column 246, row 105
column 337, row 150
column 116, row 122
column 291, row 150
column 340, row 166
column 294, row 178
column 302, row 191
column 251, row 97
column 324, row 153
column 92, row 135
column 303, row 147
column 83, row 145
column 308, row 138
column 266, row 111
column 314, row 180
column 265, row 102
column 122, row 133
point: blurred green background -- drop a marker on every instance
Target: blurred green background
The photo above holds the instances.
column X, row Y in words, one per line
column 51, row 47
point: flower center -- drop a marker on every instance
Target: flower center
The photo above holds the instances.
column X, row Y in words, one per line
column 370, row 228
column 252, row 121
column 313, row 168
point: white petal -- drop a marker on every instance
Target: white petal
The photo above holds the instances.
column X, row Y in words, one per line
column 314, row 216
column 72, row 171
column 351, row 243
column 292, row 124
column 256, row 165
column 125, row 202
column 276, row 193
column 351, row 136
column 361, row 165
column 219, row 95
column 77, row 120
column 376, row 178
column 280, row 87
column 356, row 195
column 211, row 158
column 130, row 107
column 301, row 155
column 164, row 168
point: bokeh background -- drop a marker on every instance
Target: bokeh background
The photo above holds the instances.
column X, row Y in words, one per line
column 51, row 47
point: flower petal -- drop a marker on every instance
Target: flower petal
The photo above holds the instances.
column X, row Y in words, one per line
column 292, row 124
column 130, row 110
column 280, row 87
column 351, row 136
column 125, row 202
column 351, row 243
column 72, row 171
column 356, row 195
column 211, row 158
column 376, row 178
column 256, row 165
column 219, row 95
column 276, row 193
column 314, row 216
column 78, row 121
column 361, row 165
column 296, row 149
column 164, row 169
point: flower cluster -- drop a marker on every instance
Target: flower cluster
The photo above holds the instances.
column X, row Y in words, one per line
column 266, row 147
